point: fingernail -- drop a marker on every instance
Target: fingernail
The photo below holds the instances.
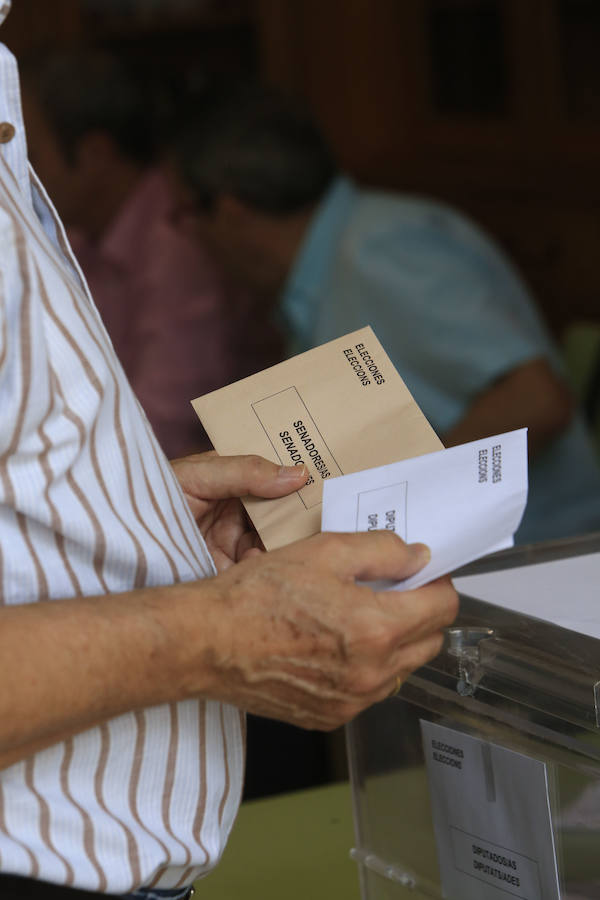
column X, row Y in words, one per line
column 289, row 473
column 420, row 553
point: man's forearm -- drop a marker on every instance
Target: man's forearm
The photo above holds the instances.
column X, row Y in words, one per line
column 288, row 634
column 529, row 396
column 67, row 665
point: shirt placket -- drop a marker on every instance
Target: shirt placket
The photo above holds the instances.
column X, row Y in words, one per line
column 13, row 145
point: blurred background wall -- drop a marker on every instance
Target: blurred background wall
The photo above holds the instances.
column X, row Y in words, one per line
column 493, row 105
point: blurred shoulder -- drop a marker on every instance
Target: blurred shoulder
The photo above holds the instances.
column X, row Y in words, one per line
column 379, row 210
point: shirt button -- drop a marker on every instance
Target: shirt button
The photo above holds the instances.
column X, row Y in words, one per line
column 7, row 132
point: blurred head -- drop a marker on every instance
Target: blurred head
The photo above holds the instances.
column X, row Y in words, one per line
column 253, row 166
column 87, row 121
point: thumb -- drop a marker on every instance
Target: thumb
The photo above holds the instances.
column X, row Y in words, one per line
column 219, row 477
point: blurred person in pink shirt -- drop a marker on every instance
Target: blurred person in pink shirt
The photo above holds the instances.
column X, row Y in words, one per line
column 180, row 327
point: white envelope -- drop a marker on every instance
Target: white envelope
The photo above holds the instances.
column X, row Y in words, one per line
column 463, row 502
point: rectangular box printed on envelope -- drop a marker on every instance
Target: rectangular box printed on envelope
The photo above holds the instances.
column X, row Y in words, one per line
column 339, row 408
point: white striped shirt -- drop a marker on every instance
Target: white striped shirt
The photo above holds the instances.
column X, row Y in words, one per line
column 89, row 505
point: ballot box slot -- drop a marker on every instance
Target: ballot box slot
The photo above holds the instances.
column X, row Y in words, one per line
column 567, row 650
column 540, row 682
column 481, row 661
column 499, row 668
column 493, row 652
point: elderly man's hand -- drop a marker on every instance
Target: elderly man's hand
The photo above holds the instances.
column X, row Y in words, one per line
column 290, row 634
column 213, row 484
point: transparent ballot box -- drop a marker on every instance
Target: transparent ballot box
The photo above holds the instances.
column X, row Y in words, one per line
column 480, row 780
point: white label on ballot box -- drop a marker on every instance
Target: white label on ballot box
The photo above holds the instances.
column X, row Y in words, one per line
column 491, row 815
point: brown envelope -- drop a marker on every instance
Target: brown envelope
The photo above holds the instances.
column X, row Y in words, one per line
column 339, row 408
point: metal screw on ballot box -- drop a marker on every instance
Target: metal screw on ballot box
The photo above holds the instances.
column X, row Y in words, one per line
column 464, row 646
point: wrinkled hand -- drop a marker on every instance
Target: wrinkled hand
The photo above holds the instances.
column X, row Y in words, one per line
column 295, row 638
column 213, row 484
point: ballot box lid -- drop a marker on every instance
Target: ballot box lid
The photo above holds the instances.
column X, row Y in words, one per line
column 528, row 631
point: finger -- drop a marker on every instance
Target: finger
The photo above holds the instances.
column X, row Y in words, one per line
column 418, row 653
column 377, row 555
column 249, row 545
column 192, row 457
column 409, row 660
column 422, row 611
column 221, row 477
column 250, row 552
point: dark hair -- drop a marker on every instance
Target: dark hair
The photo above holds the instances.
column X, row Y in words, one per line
column 89, row 90
column 251, row 142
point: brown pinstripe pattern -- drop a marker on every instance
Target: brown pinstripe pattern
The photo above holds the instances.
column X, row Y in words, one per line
column 44, row 820
column 188, row 876
column 226, row 759
column 200, row 813
column 167, row 793
column 88, row 825
column 99, row 537
column 183, row 531
column 112, row 485
column 3, row 331
column 57, row 526
column 134, row 779
column 141, row 566
column 35, row 867
column 25, row 365
column 160, row 516
column 132, row 849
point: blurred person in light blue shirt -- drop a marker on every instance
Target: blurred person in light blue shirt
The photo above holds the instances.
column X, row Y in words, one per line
column 448, row 306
